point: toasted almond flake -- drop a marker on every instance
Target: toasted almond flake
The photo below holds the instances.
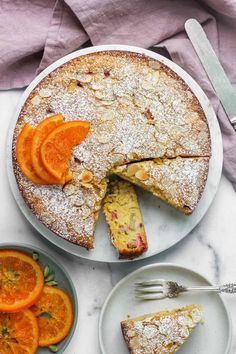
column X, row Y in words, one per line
column 72, row 86
column 69, row 189
column 154, row 64
column 86, row 176
column 97, row 86
column 132, row 169
column 189, row 94
column 142, row 175
column 84, row 78
column 107, row 103
column 86, row 185
column 103, row 139
column 36, row 100
column 45, row 92
column 155, row 77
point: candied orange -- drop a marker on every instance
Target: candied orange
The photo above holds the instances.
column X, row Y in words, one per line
column 23, row 154
column 41, row 132
column 54, row 313
column 21, row 281
column 57, row 147
column 19, row 333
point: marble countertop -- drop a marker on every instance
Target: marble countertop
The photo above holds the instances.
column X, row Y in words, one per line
column 209, row 249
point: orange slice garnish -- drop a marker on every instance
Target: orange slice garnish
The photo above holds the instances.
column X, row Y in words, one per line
column 19, row 333
column 21, row 281
column 54, row 314
column 57, row 147
column 23, row 154
column 41, row 132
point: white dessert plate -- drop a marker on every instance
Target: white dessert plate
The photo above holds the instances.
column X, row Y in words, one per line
column 164, row 225
column 214, row 336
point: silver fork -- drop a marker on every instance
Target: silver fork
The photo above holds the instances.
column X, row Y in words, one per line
column 159, row 289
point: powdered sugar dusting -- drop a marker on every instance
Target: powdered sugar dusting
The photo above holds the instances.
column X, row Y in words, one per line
column 137, row 110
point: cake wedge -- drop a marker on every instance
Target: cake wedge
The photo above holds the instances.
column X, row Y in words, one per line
column 124, row 219
column 179, row 181
column 162, row 332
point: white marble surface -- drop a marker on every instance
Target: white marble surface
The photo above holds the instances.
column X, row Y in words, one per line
column 209, row 249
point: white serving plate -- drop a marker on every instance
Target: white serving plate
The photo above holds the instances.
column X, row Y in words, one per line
column 214, row 336
column 164, row 225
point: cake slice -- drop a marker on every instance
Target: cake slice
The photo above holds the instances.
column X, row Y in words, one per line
column 162, row 332
column 124, row 219
column 179, row 182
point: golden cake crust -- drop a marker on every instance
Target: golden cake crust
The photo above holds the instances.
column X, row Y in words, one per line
column 138, row 109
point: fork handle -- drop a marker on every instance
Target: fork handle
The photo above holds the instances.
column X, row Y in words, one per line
column 229, row 288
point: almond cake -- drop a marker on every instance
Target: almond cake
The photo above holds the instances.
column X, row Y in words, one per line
column 124, row 219
column 138, row 110
column 162, row 332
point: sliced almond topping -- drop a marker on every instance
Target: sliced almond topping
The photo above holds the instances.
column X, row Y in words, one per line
column 155, row 77
column 45, row 92
column 36, row 100
column 84, row 78
column 103, row 139
column 189, row 94
column 72, row 86
column 86, row 176
column 97, row 86
column 132, row 169
column 69, row 189
column 142, row 175
column 154, row 64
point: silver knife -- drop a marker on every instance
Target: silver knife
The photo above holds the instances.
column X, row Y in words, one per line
column 223, row 88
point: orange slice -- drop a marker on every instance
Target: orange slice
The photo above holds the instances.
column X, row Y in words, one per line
column 21, row 281
column 19, row 333
column 57, row 147
column 41, row 132
column 54, row 313
column 23, row 154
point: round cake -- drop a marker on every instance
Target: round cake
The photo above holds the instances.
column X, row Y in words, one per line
column 147, row 126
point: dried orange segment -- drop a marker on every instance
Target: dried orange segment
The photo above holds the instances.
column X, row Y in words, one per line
column 41, row 132
column 19, row 333
column 57, row 147
column 21, row 281
column 23, row 154
column 54, row 314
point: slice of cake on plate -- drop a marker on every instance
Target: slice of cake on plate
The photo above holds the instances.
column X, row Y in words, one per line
column 124, row 218
column 179, row 182
column 162, row 332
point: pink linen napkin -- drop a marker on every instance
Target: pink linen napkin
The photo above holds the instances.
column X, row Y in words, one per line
column 34, row 33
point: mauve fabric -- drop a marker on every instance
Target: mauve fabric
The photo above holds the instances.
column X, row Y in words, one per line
column 34, row 33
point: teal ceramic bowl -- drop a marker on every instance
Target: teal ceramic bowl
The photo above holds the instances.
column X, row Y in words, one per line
column 64, row 282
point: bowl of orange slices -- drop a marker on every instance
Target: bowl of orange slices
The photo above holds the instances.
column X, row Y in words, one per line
column 38, row 302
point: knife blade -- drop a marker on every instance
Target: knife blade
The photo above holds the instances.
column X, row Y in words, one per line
column 220, row 82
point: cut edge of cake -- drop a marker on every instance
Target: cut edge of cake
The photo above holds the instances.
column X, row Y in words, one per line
column 124, row 219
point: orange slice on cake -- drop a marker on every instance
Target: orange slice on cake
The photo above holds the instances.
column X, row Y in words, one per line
column 54, row 313
column 41, row 132
column 23, row 154
column 19, row 333
column 56, row 149
column 21, row 281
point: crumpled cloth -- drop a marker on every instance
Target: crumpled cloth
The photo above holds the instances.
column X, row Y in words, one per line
column 34, row 33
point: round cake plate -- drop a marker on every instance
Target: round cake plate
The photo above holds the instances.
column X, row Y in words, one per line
column 64, row 282
column 121, row 304
column 164, row 225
